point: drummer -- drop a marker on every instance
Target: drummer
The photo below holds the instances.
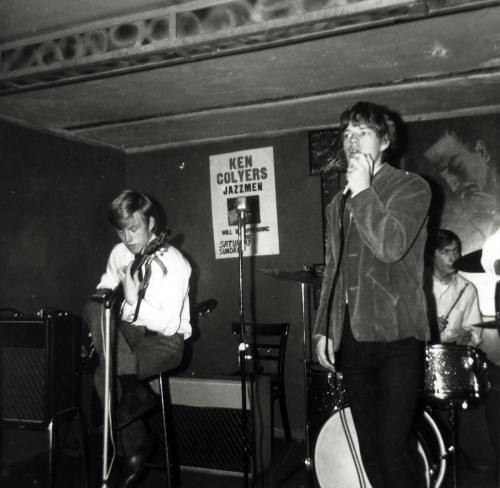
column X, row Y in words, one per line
column 453, row 307
column 452, row 301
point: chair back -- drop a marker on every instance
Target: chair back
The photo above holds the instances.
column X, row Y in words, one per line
column 268, row 346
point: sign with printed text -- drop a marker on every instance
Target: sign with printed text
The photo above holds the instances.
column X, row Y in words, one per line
column 238, row 180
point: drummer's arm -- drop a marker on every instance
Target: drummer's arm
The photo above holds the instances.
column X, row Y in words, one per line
column 472, row 315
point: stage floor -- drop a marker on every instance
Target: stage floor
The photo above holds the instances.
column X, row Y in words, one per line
column 23, row 467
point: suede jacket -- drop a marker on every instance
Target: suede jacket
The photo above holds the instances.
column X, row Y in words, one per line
column 383, row 261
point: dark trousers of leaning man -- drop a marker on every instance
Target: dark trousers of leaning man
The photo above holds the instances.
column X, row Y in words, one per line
column 134, row 352
column 381, row 381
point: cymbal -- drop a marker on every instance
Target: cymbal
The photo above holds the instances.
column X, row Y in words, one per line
column 492, row 324
column 470, row 263
column 304, row 277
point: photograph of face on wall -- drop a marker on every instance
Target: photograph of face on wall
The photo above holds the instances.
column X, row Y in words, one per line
column 459, row 158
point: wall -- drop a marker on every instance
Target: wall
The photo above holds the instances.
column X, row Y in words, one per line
column 179, row 180
column 54, row 235
column 55, row 238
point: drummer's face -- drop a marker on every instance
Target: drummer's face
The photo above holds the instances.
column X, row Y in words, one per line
column 444, row 258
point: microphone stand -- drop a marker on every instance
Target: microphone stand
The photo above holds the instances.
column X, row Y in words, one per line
column 107, row 300
column 243, row 346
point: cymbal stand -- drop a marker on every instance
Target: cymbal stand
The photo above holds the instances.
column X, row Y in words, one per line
column 497, row 303
column 307, row 462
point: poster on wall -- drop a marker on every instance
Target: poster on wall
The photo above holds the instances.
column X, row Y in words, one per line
column 248, row 174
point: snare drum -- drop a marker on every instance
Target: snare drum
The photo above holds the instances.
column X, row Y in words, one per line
column 454, row 375
column 337, row 460
column 326, row 389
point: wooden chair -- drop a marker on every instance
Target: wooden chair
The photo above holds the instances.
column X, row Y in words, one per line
column 268, row 345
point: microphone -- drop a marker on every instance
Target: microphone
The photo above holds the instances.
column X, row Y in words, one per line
column 241, row 206
column 346, row 190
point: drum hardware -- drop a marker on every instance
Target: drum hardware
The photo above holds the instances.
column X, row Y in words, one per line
column 304, row 277
column 455, row 377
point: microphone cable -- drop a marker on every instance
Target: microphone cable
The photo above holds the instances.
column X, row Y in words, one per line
column 340, row 223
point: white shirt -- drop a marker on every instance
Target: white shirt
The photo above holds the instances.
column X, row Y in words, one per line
column 462, row 314
column 165, row 307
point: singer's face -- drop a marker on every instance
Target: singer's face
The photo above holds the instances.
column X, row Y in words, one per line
column 136, row 232
column 364, row 139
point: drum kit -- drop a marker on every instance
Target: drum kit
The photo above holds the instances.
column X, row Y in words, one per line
column 455, row 377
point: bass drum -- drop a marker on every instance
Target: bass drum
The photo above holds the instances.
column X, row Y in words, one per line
column 337, row 460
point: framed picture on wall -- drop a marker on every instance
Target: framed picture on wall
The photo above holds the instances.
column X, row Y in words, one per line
column 459, row 157
column 327, row 159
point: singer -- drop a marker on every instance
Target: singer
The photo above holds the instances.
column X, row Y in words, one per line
column 151, row 331
column 376, row 322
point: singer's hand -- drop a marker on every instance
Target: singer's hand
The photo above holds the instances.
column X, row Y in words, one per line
column 324, row 349
column 359, row 171
column 130, row 283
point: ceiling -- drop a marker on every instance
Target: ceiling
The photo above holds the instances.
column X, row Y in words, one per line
column 429, row 66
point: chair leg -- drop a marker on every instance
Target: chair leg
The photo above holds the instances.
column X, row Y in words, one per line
column 284, row 417
column 167, row 448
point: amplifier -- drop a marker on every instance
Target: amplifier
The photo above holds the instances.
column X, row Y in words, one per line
column 207, row 424
column 39, row 367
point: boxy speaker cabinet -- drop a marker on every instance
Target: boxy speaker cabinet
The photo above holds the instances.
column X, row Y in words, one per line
column 207, row 424
column 39, row 367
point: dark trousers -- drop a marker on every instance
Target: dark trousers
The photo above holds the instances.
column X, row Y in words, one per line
column 132, row 352
column 381, row 381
